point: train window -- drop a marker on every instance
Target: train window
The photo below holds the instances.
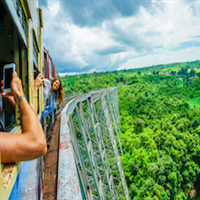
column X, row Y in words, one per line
column 36, row 96
column 12, row 50
column 50, row 69
column 45, row 66
column 45, row 56
column 35, row 51
column 7, row 118
column 6, row 57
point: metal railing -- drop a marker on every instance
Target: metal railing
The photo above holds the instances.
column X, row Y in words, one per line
column 89, row 155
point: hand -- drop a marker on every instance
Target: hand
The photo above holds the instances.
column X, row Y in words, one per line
column 16, row 86
column 39, row 81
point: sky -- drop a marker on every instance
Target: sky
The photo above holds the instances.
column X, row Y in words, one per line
column 85, row 36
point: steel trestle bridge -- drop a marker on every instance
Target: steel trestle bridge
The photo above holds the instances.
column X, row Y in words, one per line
column 90, row 149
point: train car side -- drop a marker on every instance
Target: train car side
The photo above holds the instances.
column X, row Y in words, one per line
column 21, row 43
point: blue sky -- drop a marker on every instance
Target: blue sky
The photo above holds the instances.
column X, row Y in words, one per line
column 84, row 36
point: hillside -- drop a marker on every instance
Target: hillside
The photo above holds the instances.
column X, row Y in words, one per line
column 86, row 82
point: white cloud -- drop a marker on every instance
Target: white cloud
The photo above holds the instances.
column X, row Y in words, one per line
column 123, row 42
column 172, row 27
column 53, row 7
column 76, row 73
column 162, row 57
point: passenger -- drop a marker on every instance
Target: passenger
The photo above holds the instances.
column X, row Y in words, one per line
column 54, row 86
column 31, row 143
column 39, row 81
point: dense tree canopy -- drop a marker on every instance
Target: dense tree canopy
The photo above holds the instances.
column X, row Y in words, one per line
column 160, row 139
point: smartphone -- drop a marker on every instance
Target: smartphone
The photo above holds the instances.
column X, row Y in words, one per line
column 7, row 77
column 36, row 74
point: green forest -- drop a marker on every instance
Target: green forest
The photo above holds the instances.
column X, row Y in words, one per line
column 160, row 126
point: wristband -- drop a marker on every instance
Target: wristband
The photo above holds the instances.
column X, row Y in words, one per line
column 23, row 95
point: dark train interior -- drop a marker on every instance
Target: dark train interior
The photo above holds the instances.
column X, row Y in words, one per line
column 12, row 50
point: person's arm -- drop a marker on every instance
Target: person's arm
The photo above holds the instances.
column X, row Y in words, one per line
column 39, row 81
column 35, row 93
column 31, row 143
column 46, row 89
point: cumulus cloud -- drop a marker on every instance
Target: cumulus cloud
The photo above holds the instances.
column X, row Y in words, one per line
column 162, row 57
column 87, row 36
column 93, row 13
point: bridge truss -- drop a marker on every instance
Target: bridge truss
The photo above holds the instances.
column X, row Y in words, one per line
column 89, row 156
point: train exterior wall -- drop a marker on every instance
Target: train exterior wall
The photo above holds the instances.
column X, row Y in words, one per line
column 49, row 69
column 22, row 180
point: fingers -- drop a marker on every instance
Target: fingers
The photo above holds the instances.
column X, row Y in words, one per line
column 1, row 85
column 14, row 74
column 40, row 76
column 39, row 81
column 6, row 94
column 16, row 86
column 3, row 94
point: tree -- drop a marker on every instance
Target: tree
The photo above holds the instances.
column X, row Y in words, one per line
column 184, row 71
column 182, row 124
column 192, row 72
column 138, row 125
column 173, row 72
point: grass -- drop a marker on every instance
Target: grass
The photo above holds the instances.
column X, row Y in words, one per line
column 194, row 102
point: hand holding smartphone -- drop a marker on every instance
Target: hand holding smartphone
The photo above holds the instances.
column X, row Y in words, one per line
column 7, row 77
column 36, row 74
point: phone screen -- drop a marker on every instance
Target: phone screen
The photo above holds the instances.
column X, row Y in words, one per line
column 36, row 74
column 8, row 77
